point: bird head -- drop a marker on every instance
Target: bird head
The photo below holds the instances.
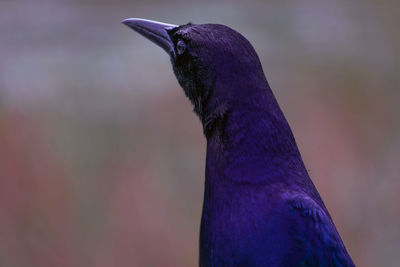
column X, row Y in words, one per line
column 214, row 64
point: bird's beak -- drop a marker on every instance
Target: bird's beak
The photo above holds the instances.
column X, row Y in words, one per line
column 155, row 31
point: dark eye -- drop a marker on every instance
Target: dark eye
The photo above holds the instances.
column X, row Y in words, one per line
column 180, row 47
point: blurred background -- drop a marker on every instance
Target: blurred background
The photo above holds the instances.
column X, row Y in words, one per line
column 102, row 160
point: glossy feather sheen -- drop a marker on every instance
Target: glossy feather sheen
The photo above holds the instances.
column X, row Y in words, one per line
column 260, row 206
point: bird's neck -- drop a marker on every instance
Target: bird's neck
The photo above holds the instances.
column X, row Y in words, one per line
column 248, row 141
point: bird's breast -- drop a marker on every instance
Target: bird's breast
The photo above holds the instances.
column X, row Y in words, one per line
column 239, row 224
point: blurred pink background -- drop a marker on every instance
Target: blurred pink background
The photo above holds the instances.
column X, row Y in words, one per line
column 102, row 160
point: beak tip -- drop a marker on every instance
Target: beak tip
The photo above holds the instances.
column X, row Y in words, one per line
column 126, row 22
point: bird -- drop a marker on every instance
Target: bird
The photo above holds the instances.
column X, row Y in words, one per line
column 260, row 206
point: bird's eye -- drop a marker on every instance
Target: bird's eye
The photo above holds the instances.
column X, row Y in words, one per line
column 180, row 47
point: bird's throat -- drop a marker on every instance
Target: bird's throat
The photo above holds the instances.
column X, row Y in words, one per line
column 214, row 122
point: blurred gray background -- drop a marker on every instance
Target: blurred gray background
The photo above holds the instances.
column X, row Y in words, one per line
column 102, row 160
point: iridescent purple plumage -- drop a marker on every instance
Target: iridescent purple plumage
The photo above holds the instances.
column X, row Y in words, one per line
column 260, row 205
